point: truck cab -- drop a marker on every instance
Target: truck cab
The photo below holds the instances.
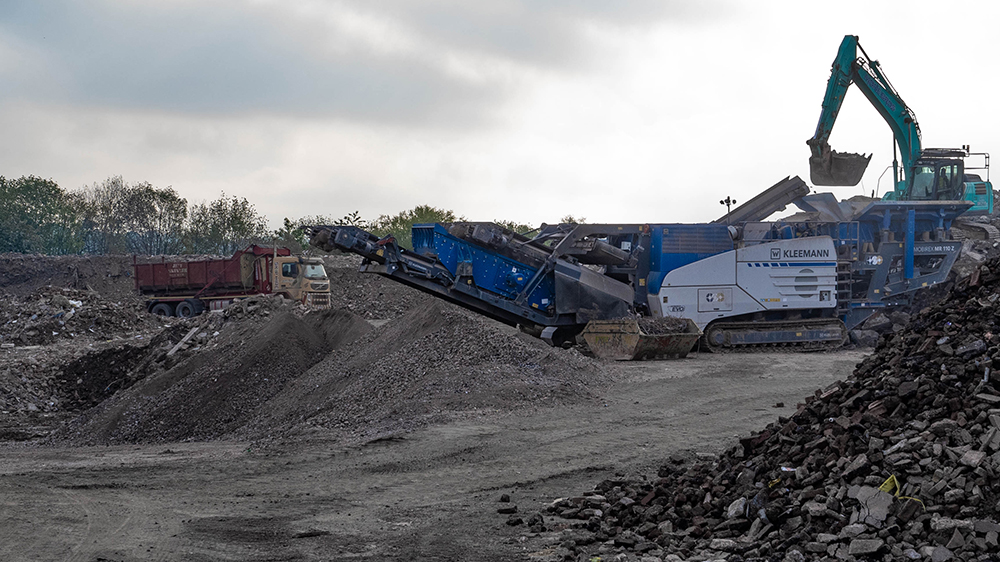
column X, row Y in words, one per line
column 302, row 279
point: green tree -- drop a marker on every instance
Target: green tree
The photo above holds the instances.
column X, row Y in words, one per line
column 516, row 226
column 292, row 236
column 156, row 220
column 38, row 216
column 399, row 225
column 104, row 215
column 352, row 219
column 225, row 225
column 132, row 218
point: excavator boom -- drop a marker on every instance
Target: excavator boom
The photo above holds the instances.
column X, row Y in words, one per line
column 829, row 167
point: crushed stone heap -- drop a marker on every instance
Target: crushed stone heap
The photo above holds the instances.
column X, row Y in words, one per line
column 262, row 372
column 898, row 463
column 436, row 362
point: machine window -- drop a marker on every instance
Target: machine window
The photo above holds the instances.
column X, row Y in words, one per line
column 923, row 183
column 289, row 270
column 314, row 271
column 947, row 186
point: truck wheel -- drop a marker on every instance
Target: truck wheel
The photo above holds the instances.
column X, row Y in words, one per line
column 162, row 309
column 186, row 309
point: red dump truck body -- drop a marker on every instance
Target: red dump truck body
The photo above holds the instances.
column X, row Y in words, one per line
column 208, row 276
column 186, row 288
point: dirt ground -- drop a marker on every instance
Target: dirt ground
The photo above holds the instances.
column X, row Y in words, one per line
column 421, row 493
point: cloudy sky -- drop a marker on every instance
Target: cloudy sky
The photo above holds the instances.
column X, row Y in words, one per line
column 625, row 111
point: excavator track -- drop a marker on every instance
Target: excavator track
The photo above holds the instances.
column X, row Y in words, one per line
column 812, row 334
column 972, row 230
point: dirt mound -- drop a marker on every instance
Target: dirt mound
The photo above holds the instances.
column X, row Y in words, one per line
column 435, row 362
column 88, row 380
column 23, row 274
column 899, row 462
column 218, row 390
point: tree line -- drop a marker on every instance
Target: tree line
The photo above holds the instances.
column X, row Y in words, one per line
column 117, row 217
column 397, row 226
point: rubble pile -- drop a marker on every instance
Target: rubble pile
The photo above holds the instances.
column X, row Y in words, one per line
column 262, row 306
column 50, row 314
column 44, row 331
column 898, row 463
column 662, row 325
column 22, row 393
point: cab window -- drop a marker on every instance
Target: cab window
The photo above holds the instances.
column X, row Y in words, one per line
column 923, row 183
column 289, row 270
column 314, row 271
column 946, row 187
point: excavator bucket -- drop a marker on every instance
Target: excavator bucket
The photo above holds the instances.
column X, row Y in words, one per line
column 624, row 339
column 837, row 168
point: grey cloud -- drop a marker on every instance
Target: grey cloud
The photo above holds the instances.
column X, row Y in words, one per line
column 544, row 32
column 232, row 58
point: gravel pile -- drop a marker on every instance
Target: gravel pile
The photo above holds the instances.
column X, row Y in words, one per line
column 371, row 296
column 262, row 372
column 898, row 463
column 436, row 362
column 216, row 388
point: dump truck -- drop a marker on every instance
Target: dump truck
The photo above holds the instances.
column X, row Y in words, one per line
column 187, row 288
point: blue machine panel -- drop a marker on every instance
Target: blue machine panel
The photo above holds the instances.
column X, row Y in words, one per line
column 676, row 245
column 487, row 270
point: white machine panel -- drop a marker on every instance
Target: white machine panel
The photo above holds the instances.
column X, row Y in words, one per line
column 785, row 274
column 793, row 274
column 715, row 299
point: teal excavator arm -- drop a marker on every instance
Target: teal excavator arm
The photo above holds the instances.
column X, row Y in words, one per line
column 829, row 167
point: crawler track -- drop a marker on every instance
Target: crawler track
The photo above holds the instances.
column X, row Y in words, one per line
column 962, row 230
column 812, row 334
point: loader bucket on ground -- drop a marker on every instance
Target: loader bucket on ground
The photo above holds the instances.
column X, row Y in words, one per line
column 838, row 168
column 625, row 340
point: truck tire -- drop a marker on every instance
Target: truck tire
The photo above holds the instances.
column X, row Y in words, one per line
column 187, row 309
column 162, row 309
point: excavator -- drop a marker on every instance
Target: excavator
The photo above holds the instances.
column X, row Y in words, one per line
column 926, row 174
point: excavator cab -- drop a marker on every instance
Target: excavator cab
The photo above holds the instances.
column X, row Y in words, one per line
column 936, row 180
